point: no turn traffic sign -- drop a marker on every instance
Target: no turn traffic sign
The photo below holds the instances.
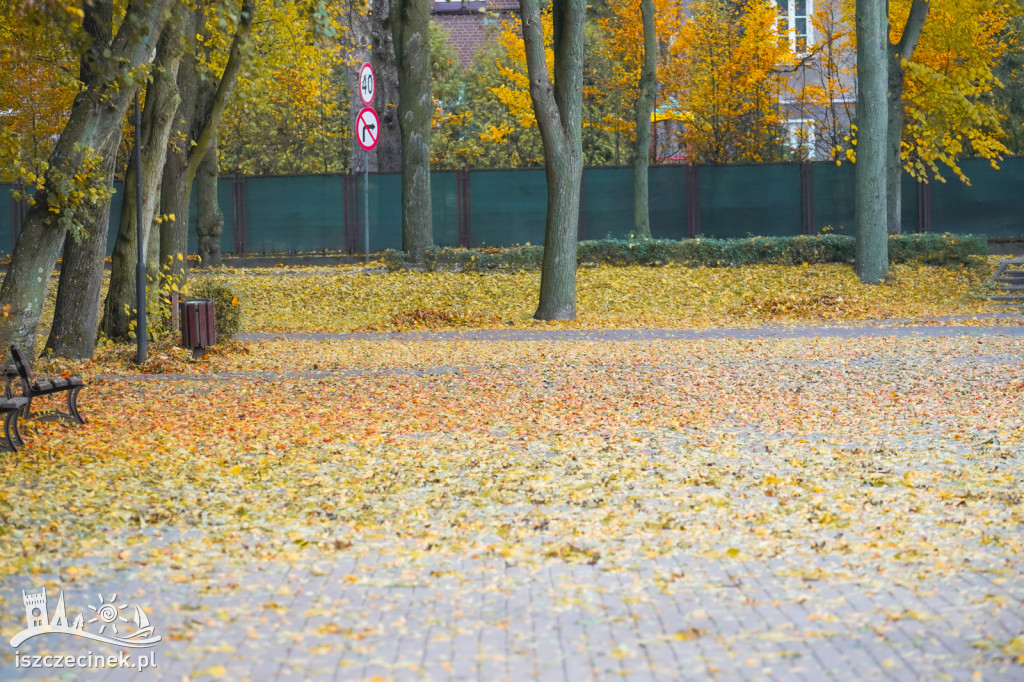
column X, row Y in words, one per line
column 367, row 129
column 367, row 84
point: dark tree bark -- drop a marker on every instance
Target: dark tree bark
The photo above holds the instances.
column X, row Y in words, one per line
column 899, row 54
column 211, row 220
column 175, row 185
column 210, row 103
column 410, row 21
column 73, row 332
column 96, row 117
column 644, row 108
column 557, row 104
column 389, row 146
column 872, row 247
column 157, row 117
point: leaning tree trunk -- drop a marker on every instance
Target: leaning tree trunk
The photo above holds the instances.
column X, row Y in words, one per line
column 644, row 108
column 872, row 247
column 211, row 220
column 73, row 332
column 175, row 185
column 157, row 117
column 410, row 21
column 899, row 54
column 389, row 146
column 96, row 117
column 557, row 104
column 212, row 97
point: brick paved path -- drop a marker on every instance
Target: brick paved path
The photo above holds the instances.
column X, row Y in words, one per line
column 391, row 611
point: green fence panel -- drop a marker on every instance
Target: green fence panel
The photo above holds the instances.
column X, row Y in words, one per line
column 607, row 206
column 6, row 219
column 743, row 200
column 294, row 213
column 667, row 201
column 307, row 213
column 910, row 213
column 509, row 207
column 385, row 212
column 833, row 197
column 993, row 204
column 225, row 200
column 444, row 204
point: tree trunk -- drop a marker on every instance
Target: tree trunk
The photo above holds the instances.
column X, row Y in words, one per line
column 644, row 108
column 557, row 105
column 175, row 186
column 898, row 55
column 211, row 220
column 157, row 117
column 75, row 313
column 211, row 98
column 409, row 25
column 389, row 145
column 872, row 255
column 73, row 332
column 96, row 117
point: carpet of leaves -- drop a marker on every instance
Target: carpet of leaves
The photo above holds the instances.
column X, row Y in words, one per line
column 347, row 299
column 900, row 454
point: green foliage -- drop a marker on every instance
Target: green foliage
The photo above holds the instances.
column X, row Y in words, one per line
column 226, row 309
column 948, row 250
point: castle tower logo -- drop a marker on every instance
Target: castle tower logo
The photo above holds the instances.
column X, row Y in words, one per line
column 114, row 625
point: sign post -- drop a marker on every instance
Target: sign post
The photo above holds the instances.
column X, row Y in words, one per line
column 367, row 134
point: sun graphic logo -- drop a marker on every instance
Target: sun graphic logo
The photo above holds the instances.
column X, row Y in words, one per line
column 108, row 614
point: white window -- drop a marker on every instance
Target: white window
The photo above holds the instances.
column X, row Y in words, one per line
column 795, row 23
column 801, row 138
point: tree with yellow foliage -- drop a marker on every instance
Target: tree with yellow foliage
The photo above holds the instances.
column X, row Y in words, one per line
column 942, row 60
column 822, row 86
column 633, row 29
column 723, row 75
column 39, row 82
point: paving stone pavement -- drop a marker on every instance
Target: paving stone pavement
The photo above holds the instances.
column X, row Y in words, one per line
column 394, row 612
column 375, row 617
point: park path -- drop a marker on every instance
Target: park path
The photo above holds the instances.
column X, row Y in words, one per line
column 389, row 610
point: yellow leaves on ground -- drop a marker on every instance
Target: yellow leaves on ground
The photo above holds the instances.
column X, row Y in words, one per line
column 346, row 299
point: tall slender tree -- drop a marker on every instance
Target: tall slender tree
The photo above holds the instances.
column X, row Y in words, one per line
column 382, row 44
column 558, row 106
column 162, row 99
column 410, row 23
column 205, row 94
column 899, row 55
column 872, row 245
column 644, row 108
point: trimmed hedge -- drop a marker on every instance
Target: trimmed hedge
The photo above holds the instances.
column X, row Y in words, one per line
column 950, row 250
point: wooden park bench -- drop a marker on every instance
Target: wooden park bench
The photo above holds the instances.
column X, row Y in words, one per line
column 11, row 409
column 34, row 388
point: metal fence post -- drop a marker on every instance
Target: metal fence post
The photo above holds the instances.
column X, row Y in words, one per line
column 924, row 207
column 465, row 213
column 238, row 223
column 581, row 224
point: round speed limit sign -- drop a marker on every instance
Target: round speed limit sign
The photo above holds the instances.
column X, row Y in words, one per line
column 367, row 84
